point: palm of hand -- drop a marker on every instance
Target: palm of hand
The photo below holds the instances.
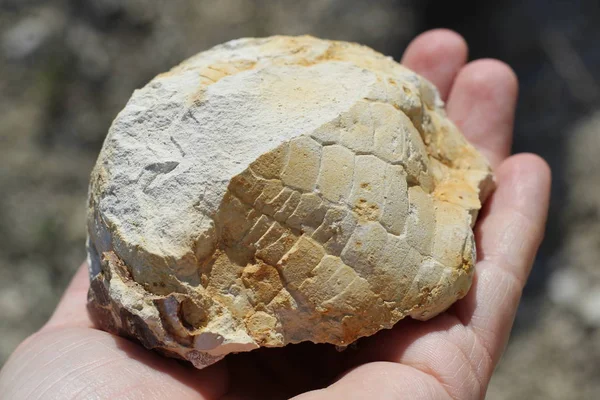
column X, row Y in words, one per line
column 451, row 356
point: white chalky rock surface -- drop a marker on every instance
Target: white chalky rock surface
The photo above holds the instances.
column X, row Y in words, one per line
column 279, row 190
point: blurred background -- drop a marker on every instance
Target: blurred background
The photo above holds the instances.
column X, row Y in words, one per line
column 68, row 66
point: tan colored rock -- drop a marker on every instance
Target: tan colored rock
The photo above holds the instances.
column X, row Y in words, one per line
column 279, row 190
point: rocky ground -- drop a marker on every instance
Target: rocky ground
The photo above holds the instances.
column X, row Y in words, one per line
column 68, row 66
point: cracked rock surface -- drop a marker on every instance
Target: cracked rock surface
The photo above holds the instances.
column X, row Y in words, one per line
column 279, row 190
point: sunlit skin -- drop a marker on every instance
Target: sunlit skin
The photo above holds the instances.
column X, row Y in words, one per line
column 449, row 357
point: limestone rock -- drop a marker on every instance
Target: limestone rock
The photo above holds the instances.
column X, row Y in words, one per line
column 279, row 190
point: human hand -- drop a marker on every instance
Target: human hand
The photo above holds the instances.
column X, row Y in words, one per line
column 449, row 357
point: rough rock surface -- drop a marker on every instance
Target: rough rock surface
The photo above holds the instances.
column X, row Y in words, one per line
column 279, row 190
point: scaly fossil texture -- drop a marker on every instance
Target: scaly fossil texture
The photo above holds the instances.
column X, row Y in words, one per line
column 279, row 190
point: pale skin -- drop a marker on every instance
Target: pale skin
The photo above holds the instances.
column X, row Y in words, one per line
column 451, row 356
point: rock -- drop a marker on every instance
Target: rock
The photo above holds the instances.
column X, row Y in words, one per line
column 574, row 283
column 280, row 190
column 31, row 33
column 565, row 287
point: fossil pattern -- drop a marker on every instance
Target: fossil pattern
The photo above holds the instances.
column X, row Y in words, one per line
column 279, row 190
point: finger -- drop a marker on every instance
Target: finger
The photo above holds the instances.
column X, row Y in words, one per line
column 482, row 103
column 437, row 55
column 442, row 348
column 71, row 310
column 381, row 380
column 509, row 235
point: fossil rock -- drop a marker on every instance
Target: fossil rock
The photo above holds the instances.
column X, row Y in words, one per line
column 279, row 190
